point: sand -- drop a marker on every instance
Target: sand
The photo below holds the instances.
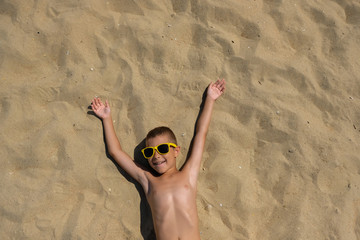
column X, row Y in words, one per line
column 282, row 158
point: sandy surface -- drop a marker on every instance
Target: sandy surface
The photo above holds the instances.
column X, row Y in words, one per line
column 282, row 159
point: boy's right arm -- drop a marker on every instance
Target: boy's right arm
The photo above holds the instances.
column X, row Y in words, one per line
column 113, row 144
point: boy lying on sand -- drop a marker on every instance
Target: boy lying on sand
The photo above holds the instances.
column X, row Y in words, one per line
column 171, row 193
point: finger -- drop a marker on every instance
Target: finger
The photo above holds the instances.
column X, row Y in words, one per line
column 223, row 88
column 222, row 84
column 93, row 104
column 98, row 102
column 93, row 107
column 106, row 103
column 211, row 85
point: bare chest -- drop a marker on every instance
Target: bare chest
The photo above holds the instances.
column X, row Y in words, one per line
column 168, row 192
column 173, row 206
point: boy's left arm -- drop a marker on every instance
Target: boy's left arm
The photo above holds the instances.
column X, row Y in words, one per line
column 192, row 165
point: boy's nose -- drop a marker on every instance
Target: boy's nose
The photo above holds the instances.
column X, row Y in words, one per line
column 156, row 154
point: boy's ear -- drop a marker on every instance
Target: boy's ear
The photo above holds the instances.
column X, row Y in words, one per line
column 177, row 151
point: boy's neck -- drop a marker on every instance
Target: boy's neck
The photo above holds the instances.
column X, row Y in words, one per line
column 169, row 172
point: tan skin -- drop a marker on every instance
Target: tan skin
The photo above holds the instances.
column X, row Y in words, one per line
column 172, row 193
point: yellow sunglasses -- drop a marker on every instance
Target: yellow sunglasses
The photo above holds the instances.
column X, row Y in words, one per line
column 162, row 149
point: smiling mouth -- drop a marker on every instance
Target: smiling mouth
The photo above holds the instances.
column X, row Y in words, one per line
column 159, row 163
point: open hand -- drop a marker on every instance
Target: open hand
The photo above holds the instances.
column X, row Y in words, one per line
column 216, row 89
column 101, row 110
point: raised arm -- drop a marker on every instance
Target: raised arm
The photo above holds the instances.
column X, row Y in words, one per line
column 192, row 165
column 113, row 144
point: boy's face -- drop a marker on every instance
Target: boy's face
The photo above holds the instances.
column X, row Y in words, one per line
column 162, row 163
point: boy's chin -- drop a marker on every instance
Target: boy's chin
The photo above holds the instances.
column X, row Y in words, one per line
column 160, row 169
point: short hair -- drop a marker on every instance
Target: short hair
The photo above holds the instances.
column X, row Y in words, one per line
column 160, row 131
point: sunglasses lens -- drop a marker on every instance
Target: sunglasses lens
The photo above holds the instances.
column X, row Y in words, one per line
column 163, row 148
column 148, row 152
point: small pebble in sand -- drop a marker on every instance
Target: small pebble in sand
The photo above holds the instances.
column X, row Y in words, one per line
column 351, row 98
column 91, row 69
column 221, row 205
column 277, row 112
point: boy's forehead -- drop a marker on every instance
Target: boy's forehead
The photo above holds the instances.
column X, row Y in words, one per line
column 154, row 141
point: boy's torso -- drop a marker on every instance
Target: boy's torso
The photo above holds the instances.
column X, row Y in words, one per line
column 173, row 204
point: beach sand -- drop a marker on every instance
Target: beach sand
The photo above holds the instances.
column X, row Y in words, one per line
column 282, row 157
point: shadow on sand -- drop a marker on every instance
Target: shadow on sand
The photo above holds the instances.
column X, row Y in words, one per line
column 146, row 222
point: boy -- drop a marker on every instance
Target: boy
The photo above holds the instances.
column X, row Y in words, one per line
column 171, row 193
